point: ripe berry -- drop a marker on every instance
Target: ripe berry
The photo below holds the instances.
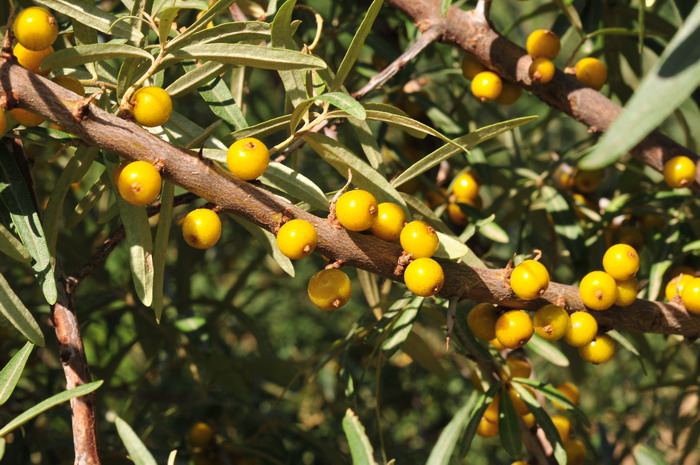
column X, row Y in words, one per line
column 582, row 329
column 471, row 66
column 575, row 452
column 510, row 94
column 200, row 435
column 35, row 28
column 390, row 221
column 563, row 426
column 627, row 292
column 586, row 181
column 456, row 215
column 329, row 289
column 419, row 239
column 529, row 280
column 519, row 366
column 551, row 322
column 598, row 290
column 26, row 117
column 482, row 321
column 248, row 158
column 487, row 85
column 621, row 262
column 201, row 228
column 570, row 391
column 542, row 43
column 591, row 72
column 297, row 239
column 356, row 210
column 465, row 188
column 424, row 277
column 690, row 295
column 486, row 429
column 529, row 420
column 514, row 329
column 31, row 59
column 139, row 183
column 542, row 70
column 599, row 350
column 497, row 344
column 679, row 171
column 152, row 106
column 676, row 285
column 518, row 403
column 491, row 412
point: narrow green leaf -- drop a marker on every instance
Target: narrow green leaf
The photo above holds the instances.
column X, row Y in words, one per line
column 360, row 447
column 256, row 56
column 338, row 99
column 16, row 197
column 645, row 455
column 86, row 203
column 555, row 395
column 508, row 426
column 418, row 349
column 138, row 452
column 402, row 326
column 18, row 315
column 81, row 54
column 94, row 17
column 356, row 45
column 477, row 412
column 257, row 31
column 670, row 82
column 269, row 242
column 11, row 246
column 165, row 22
column 566, row 224
column 449, row 150
column 363, row 175
column 545, row 422
column 201, row 22
column 52, row 401
column 10, row 374
column 196, row 78
column 221, row 102
column 548, row 351
column 165, row 219
column 261, row 130
column 450, row 246
column 295, row 184
column 441, row 453
column 656, row 278
column 282, row 36
column 445, row 7
column 368, row 141
column 172, row 456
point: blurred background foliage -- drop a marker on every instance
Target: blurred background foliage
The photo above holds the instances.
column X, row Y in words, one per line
column 241, row 348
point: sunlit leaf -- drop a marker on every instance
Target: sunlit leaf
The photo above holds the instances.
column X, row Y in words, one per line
column 442, row 451
column 10, row 374
column 360, row 447
column 138, row 452
column 81, row 54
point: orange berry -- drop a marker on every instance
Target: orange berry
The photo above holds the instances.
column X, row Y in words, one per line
column 247, row 158
column 679, row 171
column 690, row 295
column 465, row 188
column 481, row 321
column 510, row 93
column 471, row 66
column 139, row 183
column 297, row 239
column 598, row 290
column 329, row 289
column 486, row 429
column 201, row 228
column 621, row 262
column 575, row 452
column 599, row 350
column 676, row 285
column 487, row 85
column 519, row 366
column 551, row 322
column 543, row 43
column 152, row 106
column 390, row 221
column 627, row 292
column 26, row 117
column 356, row 210
column 491, row 412
column 419, row 239
column 32, row 59
column 563, row 426
column 35, row 28
column 424, row 277
column 514, row 329
column 529, row 280
column 570, row 391
column 542, row 70
column 200, row 435
column 591, row 72
column 582, row 329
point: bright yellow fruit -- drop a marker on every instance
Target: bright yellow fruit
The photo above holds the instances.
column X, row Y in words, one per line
column 598, row 290
column 529, row 280
column 542, row 70
column 466, row 188
column 599, row 350
column 510, row 93
column 676, row 285
column 543, row 43
column 570, row 391
column 152, row 106
column 201, row 228
column 390, row 221
column 621, row 262
column 627, row 292
column 551, row 322
column 329, row 289
column 690, row 295
column 487, row 85
column 297, row 239
column 582, row 329
column 424, row 277
column 357, row 210
column 471, row 66
column 419, row 239
column 679, row 171
column 32, row 59
column 139, row 183
column 26, row 117
column 486, row 429
column 592, row 72
column 563, row 426
column 514, row 329
column 482, row 321
column 35, row 28
column 575, row 452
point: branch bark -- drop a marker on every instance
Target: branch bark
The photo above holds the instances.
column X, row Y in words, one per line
column 471, row 31
column 207, row 180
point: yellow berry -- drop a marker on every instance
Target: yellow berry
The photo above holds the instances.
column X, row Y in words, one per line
column 31, row 59
column 690, row 295
column 201, row 228
column 529, row 280
column 329, row 289
column 510, row 93
column 599, row 350
column 519, row 366
column 152, row 106
column 248, row 158
column 486, row 429
column 424, row 277
column 481, row 321
column 519, row 462
column 200, row 435
column 543, row 43
column 465, row 188
column 26, row 117
column 563, row 426
column 491, row 412
column 529, row 420
column 514, row 329
column 591, row 72
column 35, row 28
column 471, row 66
column 575, row 452
column 357, row 210
column 390, row 221
column 487, row 85
column 139, row 183
column 3, row 120
column 456, row 215
column 627, row 292
column 570, row 391
column 297, row 239
column 419, row 239
column 497, row 344
column 542, row 70
column 582, row 329
column 621, row 262
column 70, row 83
column 598, row 290
column 676, row 285
column 679, row 171
column 551, row 322
column 518, row 403
column 586, row 181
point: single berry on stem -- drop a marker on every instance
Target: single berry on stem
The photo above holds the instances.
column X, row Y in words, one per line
column 419, row 239
column 201, row 228
column 356, row 210
column 248, row 158
column 481, row 321
column 152, row 106
column 390, row 221
column 598, row 290
column 297, row 239
column 139, row 183
column 424, row 277
column 329, row 289
column 529, row 280
column 582, row 329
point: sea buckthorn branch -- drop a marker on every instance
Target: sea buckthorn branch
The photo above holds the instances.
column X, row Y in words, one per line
column 207, row 180
column 471, row 31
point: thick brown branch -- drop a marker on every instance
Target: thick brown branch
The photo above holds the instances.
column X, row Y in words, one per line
column 470, row 31
column 244, row 199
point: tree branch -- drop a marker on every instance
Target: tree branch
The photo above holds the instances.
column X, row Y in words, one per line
column 470, row 31
column 209, row 181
